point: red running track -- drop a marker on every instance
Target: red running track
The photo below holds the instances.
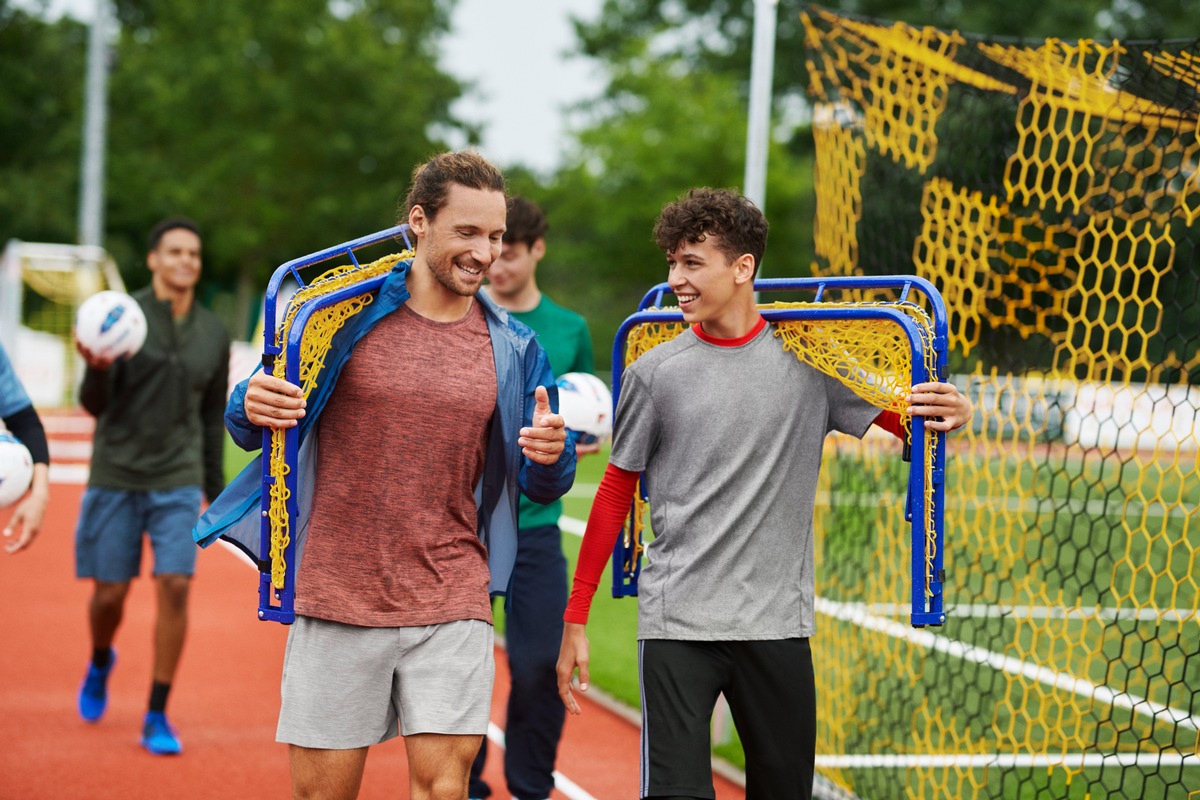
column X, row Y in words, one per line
column 225, row 699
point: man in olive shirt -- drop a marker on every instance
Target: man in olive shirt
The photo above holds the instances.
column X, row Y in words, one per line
column 157, row 448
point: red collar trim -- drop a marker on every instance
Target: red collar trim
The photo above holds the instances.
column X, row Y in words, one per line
column 738, row 342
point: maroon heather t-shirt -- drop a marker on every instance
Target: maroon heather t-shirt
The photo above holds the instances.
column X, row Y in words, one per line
column 392, row 537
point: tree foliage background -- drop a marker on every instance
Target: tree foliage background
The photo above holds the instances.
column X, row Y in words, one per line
column 289, row 125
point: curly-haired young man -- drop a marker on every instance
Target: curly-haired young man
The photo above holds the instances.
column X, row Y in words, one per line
column 726, row 596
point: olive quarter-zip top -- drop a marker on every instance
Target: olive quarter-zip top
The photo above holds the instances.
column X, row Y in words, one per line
column 159, row 415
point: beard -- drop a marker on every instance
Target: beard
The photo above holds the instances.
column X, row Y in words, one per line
column 443, row 270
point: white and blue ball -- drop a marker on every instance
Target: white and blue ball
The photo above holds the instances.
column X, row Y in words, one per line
column 111, row 325
column 586, row 406
column 16, row 469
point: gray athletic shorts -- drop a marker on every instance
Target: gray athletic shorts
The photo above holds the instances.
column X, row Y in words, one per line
column 346, row 686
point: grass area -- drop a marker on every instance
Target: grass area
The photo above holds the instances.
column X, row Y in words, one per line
column 235, row 458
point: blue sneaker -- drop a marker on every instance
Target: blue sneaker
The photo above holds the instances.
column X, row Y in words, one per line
column 93, row 695
column 158, row 737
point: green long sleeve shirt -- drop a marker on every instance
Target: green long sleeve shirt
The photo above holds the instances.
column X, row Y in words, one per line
column 159, row 415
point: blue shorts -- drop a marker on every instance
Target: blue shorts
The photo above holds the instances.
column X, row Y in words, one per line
column 108, row 540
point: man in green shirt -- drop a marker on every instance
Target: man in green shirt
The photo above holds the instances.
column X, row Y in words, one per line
column 538, row 595
column 157, row 449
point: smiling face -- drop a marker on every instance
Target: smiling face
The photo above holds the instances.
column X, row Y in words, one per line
column 512, row 276
column 459, row 244
column 175, row 262
column 709, row 285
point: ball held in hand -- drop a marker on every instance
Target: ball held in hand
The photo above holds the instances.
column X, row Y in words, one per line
column 111, row 325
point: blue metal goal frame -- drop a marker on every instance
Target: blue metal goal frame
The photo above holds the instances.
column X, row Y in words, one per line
column 925, row 610
column 278, row 605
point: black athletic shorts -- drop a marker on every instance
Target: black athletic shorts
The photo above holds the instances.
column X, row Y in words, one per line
column 771, row 694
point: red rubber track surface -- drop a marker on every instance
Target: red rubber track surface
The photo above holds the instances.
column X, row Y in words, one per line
column 224, row 701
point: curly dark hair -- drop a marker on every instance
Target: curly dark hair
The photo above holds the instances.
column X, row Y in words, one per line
column 526, row 222
column 431, row 181
column 737, row 223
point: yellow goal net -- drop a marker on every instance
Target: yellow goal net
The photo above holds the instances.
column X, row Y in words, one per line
column 1050, row 190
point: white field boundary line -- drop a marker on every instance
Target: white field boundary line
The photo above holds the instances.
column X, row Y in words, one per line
column 1009, row 760
column 561, row 782
column 1009, row 664
column 1008, row 612
column 857, row 613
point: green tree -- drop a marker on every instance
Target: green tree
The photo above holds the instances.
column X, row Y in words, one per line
column 282, row 127
column 41, row 90
column 717, row 35
column 660, row 129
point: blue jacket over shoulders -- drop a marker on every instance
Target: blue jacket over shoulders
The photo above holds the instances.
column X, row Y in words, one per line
column 521, row 366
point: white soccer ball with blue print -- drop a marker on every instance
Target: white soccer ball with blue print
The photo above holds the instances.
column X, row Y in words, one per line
column 586, row 406
column 111, row 325
column 16, row 469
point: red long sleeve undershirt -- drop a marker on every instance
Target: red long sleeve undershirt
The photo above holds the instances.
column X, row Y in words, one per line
column 604, row 524
column 609, row 509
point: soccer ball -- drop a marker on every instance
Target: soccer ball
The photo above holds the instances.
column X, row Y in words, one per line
column 111, row 325
column 16, row 469
column 586, row 406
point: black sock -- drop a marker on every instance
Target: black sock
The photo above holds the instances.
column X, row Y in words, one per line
column 158, row 696
column 102, row 657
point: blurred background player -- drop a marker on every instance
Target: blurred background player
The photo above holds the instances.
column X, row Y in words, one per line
column 538, row 595
column 729, row 429
column 157, row 451
column 22, row 421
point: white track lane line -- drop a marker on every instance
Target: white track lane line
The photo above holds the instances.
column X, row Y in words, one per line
column 561, row 782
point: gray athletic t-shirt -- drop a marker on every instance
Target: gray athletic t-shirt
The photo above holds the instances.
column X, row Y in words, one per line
column 730, row 438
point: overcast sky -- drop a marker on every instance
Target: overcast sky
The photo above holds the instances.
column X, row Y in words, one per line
column 512, row 51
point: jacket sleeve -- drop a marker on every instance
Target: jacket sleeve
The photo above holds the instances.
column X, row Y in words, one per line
column 245, row 434
column 543, row 483
column 26, row 425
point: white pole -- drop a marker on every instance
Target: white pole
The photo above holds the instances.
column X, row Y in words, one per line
column 95, row 118
column 758, row 132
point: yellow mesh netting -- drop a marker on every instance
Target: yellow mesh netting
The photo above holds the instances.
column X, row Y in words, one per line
column 841, row 156
column 1181, row 66
column 314, row 346
column 899, row 77
column 871, row 356
column 1058, row 218
column 954, row 245
column 1072, row 113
